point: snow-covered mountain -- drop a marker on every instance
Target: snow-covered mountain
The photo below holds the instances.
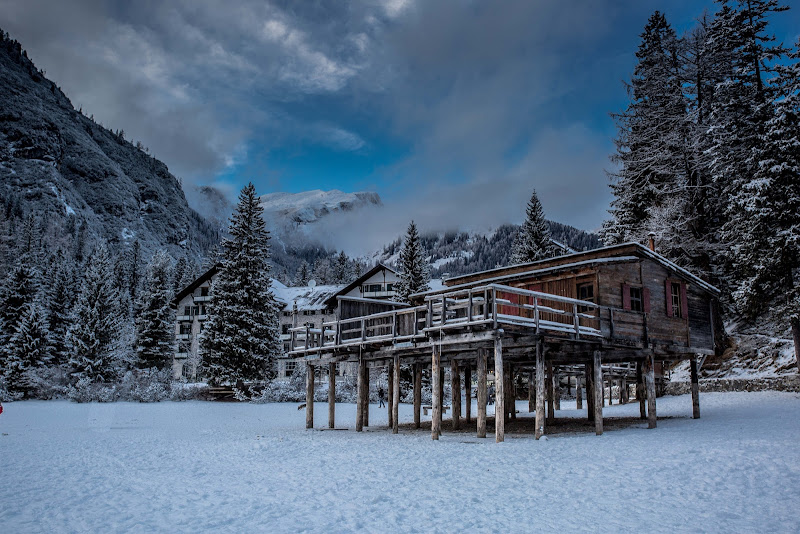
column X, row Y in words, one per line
column 310, row 206
column 79, row 179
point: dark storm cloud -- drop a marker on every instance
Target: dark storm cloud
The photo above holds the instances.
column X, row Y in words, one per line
column 473, row 94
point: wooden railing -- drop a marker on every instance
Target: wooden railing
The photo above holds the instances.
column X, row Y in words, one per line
column 488, row 306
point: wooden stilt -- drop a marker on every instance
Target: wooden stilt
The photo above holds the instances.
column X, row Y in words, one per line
column 499, row 384
column 589, row 378
column 531, row 393
column 578, row 393
column 511, row 405
column 455, row 388
column 551, row 414
column 640, row 395
column 623, row 391
column 598, row 393
column 436, row 417
column 482, row 393
column 366, row 396
column 395, row 394
column 390, row 393
column 610, row 385
column 362, row 365
column 556, row 389
column 332, row 395
column 467, row 393
column 650, row 385
column 540, row 379
column 309, row 396
column 695, row 389
column 441, row 391
column 417, row 394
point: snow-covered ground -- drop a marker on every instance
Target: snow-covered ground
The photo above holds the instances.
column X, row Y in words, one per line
column 195, row 466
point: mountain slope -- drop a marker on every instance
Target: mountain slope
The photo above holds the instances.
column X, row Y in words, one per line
column 73, row 173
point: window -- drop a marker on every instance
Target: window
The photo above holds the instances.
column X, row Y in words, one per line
column 185, row 329
column 586, row 292
column 675, row 295
column 372, row 288
column 196, row 310
column 202, row 310
column 203, row 291
column 285, row 329
column 389, row 287
column 288, row 368
column 636, row 299
column 187, row 310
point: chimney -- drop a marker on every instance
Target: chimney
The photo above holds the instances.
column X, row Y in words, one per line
column 651, row 244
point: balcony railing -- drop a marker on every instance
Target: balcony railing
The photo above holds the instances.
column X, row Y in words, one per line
column 490, row 307
column 202, row 298
column 182, row 337
column 185, row 318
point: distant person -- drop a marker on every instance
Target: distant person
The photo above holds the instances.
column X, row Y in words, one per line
column 491, row 395
column 381, row 398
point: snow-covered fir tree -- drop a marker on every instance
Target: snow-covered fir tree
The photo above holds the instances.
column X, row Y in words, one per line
column 60, row 296
column 414, row 269
column 241, row 338
column 321, row 272
column 533, row 240
column 94, row 339
column 17, row 292
column 341, row 269
column 652, row 144
column 155, row 323
column 28, row 349
column 303, row 274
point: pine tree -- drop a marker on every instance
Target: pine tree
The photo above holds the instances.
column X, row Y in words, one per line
column 341, row 269
column 321, row 272
column 533, row 240
column 94, row 337
column 303, row 275
column 60, row 296
column 134, row 270
column 414, row 270
column 241, row 338
column 766, row 254
column 155, row 324
column 652, row 141
column 17, row 293
column 27, row 349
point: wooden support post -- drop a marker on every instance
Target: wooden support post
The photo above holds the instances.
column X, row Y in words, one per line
column 441, row 390
column 556, row 390
column 309, row 396
column 366, row 395
column 468, row 391
column 417, row 394
column 589, row 378
column 610, row 391
column 362, row 365
column 332, row 395
column 511, row 405
column 551, row 414
column 578, row 393
column 531, row 393
column 455, row 388
column 650, row 385
column 540, row 379
column 396, row 394
column 623, row 391
column 436, row 417
column 598, row 393
column 695, row 389
column 482, row 393
column 499, row 385
column 640, row 396
column 390, row 393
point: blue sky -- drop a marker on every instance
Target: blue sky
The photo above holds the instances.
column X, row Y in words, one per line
column 452, row 111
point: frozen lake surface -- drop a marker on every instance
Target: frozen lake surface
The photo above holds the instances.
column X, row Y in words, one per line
column 198, row 466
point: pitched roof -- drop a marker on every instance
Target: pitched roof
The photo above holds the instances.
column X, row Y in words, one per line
column 200, row 280
column 358, row 281
column 569, row 260
column 306, row 297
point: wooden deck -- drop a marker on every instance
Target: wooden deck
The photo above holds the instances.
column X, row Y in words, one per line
column 532, row 334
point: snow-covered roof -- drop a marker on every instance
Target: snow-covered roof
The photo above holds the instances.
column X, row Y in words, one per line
column 306, row 297
column 358, row 281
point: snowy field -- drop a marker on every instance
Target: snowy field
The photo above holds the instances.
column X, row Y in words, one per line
column 194, row 466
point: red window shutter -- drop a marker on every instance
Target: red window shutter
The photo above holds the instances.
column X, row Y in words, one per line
column 684, row 301
column 626, row 297
column 646, row 299
column 668, row 293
